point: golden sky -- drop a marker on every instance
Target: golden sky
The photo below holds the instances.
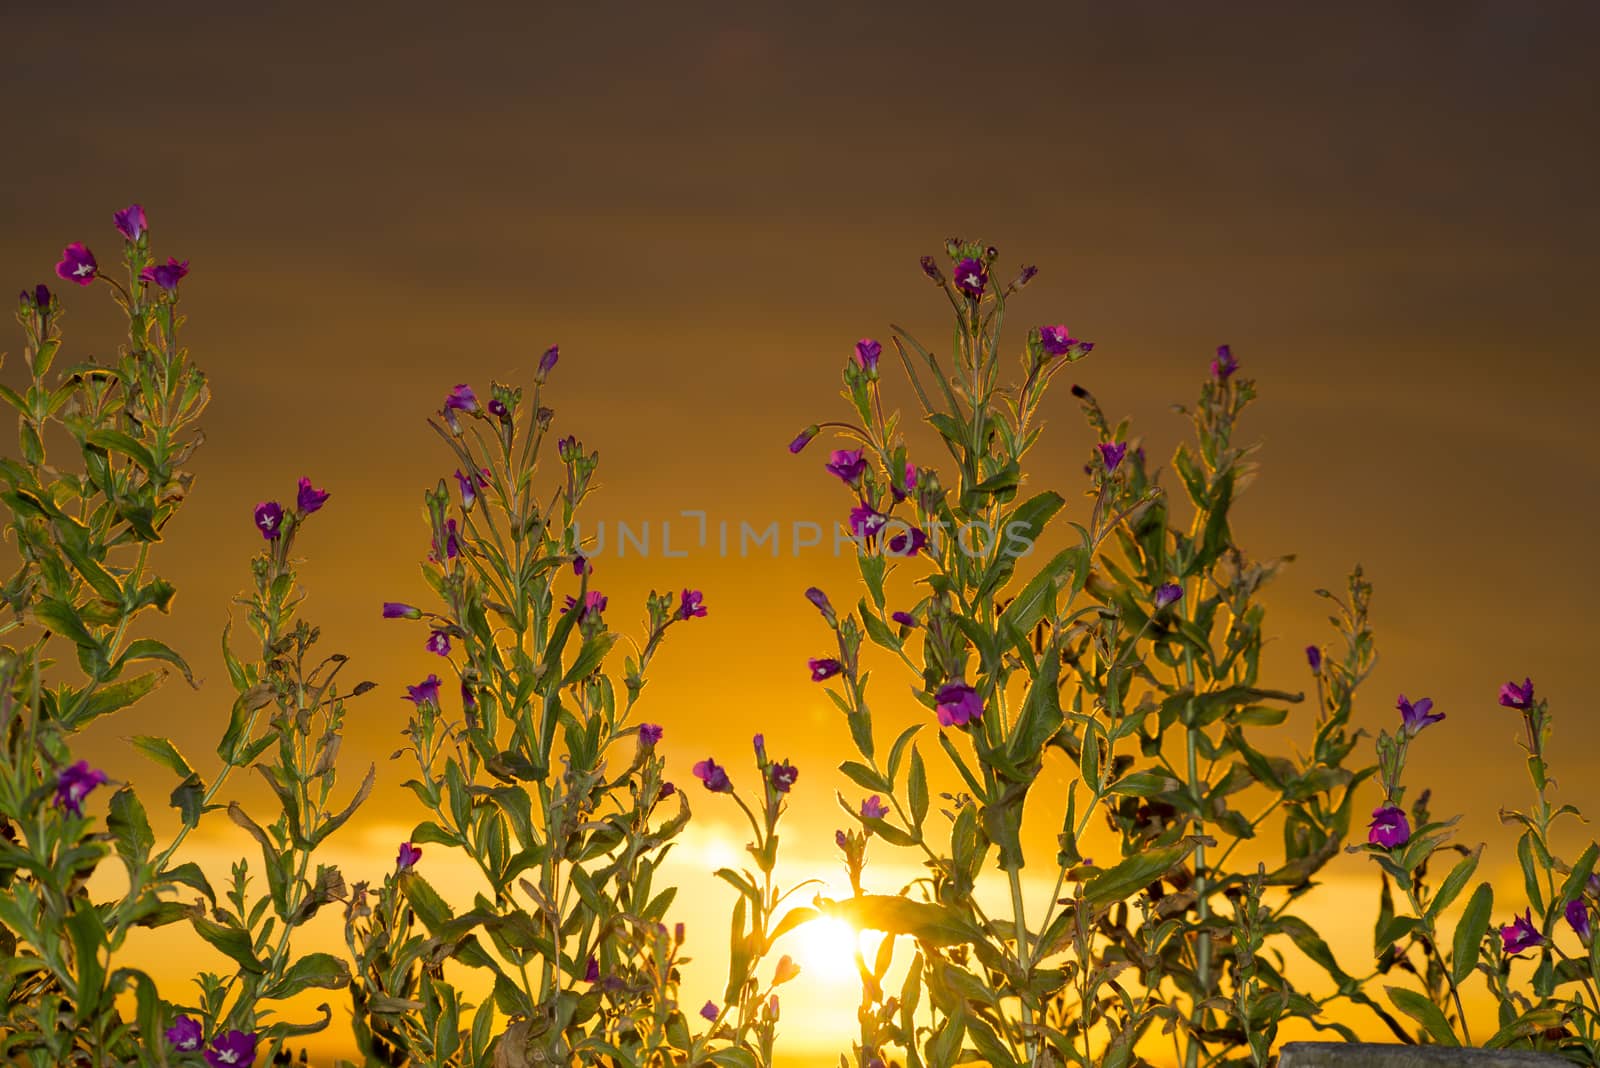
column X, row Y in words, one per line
column 1387, row 210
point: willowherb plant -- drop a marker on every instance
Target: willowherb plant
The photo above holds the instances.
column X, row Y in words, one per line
column 1560, row 902
column 1134, row 655
column 83, row 538
column 546, row 781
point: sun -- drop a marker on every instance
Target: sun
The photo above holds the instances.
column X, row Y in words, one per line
column 827, row 949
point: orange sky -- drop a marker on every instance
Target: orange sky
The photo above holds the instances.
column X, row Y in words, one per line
column 1387, row 212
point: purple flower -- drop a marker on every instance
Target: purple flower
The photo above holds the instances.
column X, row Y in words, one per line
column 1314, row 657
column 408, row 857
column 820, row 599
column 1520, row 934
column 591, row 971
column 166, row 275
column 593, row 602
column 1578, row 916
column 1224, row 365
column 691, row 605
column 847, row 464
column 783, row 776
column 1056, row 340
column 841, row 840
column 38, row 300
column 650, row 733
column 666, row 791
column 424, row 692
column 1414, row 717
column 400, row 610
column 1518, row 697
column 873, row 808
column 867, row 353
column 498, row 409
column 971, row 277
column 931, row 269
column 547, row 362
column 310, row 499
column 581, row 565
column 865, row 522
column 232, row 1049
column 131, row 225
column 1112, row 453
column 823, row 668
column 957, row 705
column 1389, row 827
column 903, row 488
column 462, row 399
column 1168, row 594
column 905, row 619
column 74, row 784
column 269, row 519
column 469, row 492
column 714, row 776
column 468, row 700
column 77, row 264
column 803, row 438
column 759, row 744
column 709, row 1011
column 438, row 642
column 452, row 541
column 185, row 1033
column 909, row 543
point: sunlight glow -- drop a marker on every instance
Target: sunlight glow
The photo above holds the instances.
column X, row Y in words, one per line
column 827, row 949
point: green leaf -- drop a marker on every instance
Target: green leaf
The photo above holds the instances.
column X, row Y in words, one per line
column 163, row 752
column 1453, row 884
column 917, row 790
column 88, row 932
column 1530, row 872
column 792, row 919
column 231, row 941
column 897, row 752
column 191, row 875
column 1425, row 1013
column 425, row 901
column 63, row 619
column 117, row 441
column 1471, row 928
column 1037, row 598
column 150, row 649
column 188, row 797
column 1144, row 784
column 864, row 776
column 313, row 970
column 589, row 658
column 333, row 823
column 1040, row 717
column 927, row 922
column 1134, row 874
column 130, row 830
column 119, row 695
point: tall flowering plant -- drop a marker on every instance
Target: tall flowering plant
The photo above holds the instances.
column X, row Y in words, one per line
column 84, row 538
column 1541, row 966
column 1128, row 661
column 531, row 762
column 101, row 469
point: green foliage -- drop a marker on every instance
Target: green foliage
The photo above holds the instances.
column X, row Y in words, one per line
column 1130, row 658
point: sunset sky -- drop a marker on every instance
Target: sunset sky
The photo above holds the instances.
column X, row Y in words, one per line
column 1386, row 209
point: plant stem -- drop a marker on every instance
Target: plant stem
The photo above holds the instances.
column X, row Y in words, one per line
column 1449, row 977
column 1023, row 953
